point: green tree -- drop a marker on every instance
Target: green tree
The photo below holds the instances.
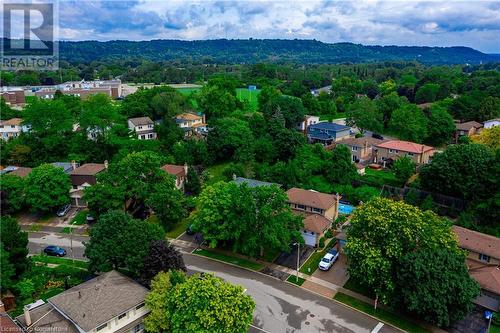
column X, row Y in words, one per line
column 48, row 118
column 409, row 123
column 290, row 108
column 364, row 114
column 47, row 188
column 7, row 273
column 403, row 169
column 13, row 198
column 7, row 111
column 464, row 171
column 103, row 197
column 162, row 257
column 193, row 184
column 112, row 239
column 427, row 93
column 200, row 303
column 435, row 284
column 167, row 202
column 15, row 243
column 388, row 103
column 440, row 126
column 489, row 137
column 231, row 138
column 342, row 170
column 489, row 109
column 218, row 98
column 98, row 115
column 381, row 233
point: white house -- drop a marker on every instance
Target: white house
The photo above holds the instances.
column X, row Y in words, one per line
column 308, row 120
column 144, row 127
column 12, row 128
column 191, row 123
column 491, row 123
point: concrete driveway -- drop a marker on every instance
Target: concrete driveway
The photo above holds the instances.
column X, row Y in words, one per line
column 337, row 274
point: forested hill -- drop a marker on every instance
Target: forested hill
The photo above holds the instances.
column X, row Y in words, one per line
column 273, row 50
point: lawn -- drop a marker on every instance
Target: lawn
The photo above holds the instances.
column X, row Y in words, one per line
column 250, row 96
column 187, row 91
column 380, row 177
column 178, row 229
column 387, row 316
column 310, row 266
column 80, row 218
column 293, row 279
column 327, row 116
column 60, row 261
column 353, row 285
column 215, row 173
column 494, row 329
column 231, row 260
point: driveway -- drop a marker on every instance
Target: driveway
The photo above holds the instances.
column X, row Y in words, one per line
column 53, row 220
column 290, row 259
column 337, row 274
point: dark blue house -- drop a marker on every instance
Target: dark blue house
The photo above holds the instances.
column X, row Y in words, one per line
column 326, row 133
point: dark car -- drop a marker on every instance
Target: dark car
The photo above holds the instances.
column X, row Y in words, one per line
column 53, row 250
column 377, row 136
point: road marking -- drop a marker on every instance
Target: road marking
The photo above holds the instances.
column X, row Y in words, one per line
column 260, row 329
column 377, row 328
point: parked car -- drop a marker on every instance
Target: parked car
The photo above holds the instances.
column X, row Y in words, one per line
column 377, row 136
column 53, row 250
column 189, row 230
column 90, row 218
column 335, row 253
column 63, row 210
column 327, row 261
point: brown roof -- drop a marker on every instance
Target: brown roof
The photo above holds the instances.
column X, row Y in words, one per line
column 88, row 169
column 478, row 242
column 468, row 125
column 7, row 324
column 47, row 319
column 311, row 198
column 317, row 223
column 99, row 300
column 360, row 142
column 12, row 122
column 406, row 146
column 175, row 170
column 21, row 172
column 141, row 121
column 488, row 276
column 189, row 116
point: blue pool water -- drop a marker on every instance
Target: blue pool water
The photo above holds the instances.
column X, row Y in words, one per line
column 346, row 209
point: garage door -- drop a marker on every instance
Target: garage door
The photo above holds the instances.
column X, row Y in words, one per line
column 309, row 238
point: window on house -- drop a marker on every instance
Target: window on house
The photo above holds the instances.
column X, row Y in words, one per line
column 354, row 148
column 12, row 126
column 354, row 158
column 123, row 315
column 140, row 127
column 100, row 328
column 317, row 210
column 301, row 207
column 484, row 257
column 410, row 154
column 143, row 137
column 139, row 306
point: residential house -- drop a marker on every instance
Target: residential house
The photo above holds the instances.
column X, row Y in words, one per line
column 108, row 303
column 7, row 325
column 393, row 149
column 252, row 183
column 483, row 262
column 143, row 127
column 179, row 172
column 308, row 120
column 467, row 129
column 68, row 167
column 83, row 177
column 16, row 171
column 318, row 91
column 192, row 124
column 491, row 123
column 319, row 209
column 12, row 128
column 326, row 133
column 13, row 97
column 82, row 89
column 361, row 148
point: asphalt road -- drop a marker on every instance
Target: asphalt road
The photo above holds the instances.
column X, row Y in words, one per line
column 280, row 307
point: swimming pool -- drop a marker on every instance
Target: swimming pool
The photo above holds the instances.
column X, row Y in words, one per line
column 346, row 209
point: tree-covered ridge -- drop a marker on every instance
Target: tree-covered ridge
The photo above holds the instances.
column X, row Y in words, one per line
column 266, row 50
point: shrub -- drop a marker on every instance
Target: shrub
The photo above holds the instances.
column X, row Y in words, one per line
column 322, row 242
column 329, row 234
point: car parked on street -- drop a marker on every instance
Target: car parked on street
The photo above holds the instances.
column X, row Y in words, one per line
column 53, row 250
column 63, row 210
column 328, row 260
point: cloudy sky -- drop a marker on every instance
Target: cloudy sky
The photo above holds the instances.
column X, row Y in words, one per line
column 434, row 23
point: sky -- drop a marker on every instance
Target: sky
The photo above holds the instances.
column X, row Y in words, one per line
column 433, row 23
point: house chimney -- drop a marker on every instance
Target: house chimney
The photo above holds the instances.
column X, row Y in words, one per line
column 106, row 164
column 204, row 118
column 27, row 317
column 185, row 169
column 73, row 164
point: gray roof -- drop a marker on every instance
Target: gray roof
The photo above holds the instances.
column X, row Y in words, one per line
column 141, row 121
column 253, row 182
column 329, row 126
column 67, row 166
column 99, row 300
column 47, row 319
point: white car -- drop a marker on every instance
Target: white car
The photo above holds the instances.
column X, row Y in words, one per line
column 327, row 261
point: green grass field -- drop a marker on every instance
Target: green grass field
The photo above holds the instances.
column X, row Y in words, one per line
column 293, row 279
column 178, row 229
column 380, row 177
column 80, row 217
column 250, row 96
column 387, row 316
column 310, row 266
column 60, row 261
column 231, row 260
column 187, row 91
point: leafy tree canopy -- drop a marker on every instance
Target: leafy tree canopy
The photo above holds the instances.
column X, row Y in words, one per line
column 47, row 188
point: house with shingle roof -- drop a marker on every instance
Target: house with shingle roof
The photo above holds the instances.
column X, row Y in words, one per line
column 179, row 172
column 319, row 211
column 491, row 123
column 326, row 133
column 12, row 128
column 82, row 177
column 143, row 127
column 391, row 150
column 361, row 148
column 108, row 303
column 483, row 262
column 468, row 128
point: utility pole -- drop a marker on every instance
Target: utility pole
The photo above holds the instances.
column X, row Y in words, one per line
column 298, row 261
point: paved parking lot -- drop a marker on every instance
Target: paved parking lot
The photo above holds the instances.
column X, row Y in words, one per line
column 337, row 274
